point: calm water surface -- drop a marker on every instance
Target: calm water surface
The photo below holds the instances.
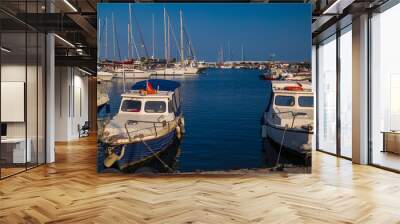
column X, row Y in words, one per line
column 222, row 110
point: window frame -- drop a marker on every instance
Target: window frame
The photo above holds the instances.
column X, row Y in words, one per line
column 293, row 97
column 124, row 111
column 152, row 101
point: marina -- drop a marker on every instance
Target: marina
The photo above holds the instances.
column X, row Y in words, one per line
column 211, row 120
column 222, row 122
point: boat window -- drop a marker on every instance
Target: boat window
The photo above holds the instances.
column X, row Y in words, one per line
column 306, row 101
column 287, row 101
column 155, row 107
column 175, row 101
column 171, row 107
column 131, row 106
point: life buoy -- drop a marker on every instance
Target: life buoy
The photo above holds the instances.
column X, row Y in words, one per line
column 293, row 88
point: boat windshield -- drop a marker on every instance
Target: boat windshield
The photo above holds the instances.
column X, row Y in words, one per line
column 306, row 101
column 131, row 106
column 155, row 107
column 287, row 101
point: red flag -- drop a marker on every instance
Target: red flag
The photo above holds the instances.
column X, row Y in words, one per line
column 149, row 88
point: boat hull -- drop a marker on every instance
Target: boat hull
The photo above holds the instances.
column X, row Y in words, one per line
column 169, row 72
column 135, row 75
column 294, row 140
column 101, row 107
column 140, row 154
column 104, row 77
column 191, row 71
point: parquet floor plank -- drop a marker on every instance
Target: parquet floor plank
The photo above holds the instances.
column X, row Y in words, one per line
column 70, row 191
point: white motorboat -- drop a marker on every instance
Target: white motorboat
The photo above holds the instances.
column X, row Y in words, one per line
column 133, row 73
column 289, row 117
column 149, row 121
column 226, row 66
column 105, row 76
column 191, row 70
column 169, row 71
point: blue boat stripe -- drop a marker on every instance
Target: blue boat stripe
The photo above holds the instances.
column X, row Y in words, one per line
column 138, row 151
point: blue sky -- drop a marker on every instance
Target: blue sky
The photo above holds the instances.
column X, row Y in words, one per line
column 263, row 29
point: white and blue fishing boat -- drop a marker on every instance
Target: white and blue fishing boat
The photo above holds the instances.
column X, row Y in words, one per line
column 288, row 120
column 148, row 124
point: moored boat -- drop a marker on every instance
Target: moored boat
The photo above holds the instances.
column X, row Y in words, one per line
column 148, row 123
column 133, row 73
column 174, row 71
column 288, row 119
column 102, row 101
column 105, row 76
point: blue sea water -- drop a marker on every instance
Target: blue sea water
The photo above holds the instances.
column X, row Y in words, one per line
column 222, row 110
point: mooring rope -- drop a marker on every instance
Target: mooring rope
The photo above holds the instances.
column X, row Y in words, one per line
column 280, row 148
column 159, row 159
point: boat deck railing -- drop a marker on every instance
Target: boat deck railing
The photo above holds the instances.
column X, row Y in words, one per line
column 128, row 133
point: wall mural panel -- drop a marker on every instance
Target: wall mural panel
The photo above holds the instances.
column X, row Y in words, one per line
column 204, row 87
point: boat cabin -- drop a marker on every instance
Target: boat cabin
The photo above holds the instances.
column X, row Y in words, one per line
column 152, row 98
column 292, row 95
column 291, row 104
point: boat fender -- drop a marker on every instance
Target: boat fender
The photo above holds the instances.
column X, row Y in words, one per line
column 178, row 132
column 182, row 124
column 264, row 131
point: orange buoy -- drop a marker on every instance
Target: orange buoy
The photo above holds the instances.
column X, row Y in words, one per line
column 293, row 88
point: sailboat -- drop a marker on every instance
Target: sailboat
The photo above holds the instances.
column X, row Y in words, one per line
column 190, row 66
column 185, row 67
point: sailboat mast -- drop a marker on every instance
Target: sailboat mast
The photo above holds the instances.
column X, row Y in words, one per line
column 182, row 50
column 129, row 43
column 168, row 37
column 242, row 54
column 106, row 39
column 222, row 54
column 131, row 33
column 190, row 56
column 152, row 55
column 165, row 36
column 113, row 27
column 229, row 50
column 99, row 40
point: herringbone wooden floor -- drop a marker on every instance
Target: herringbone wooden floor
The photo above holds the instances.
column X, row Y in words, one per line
column 70, row 191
